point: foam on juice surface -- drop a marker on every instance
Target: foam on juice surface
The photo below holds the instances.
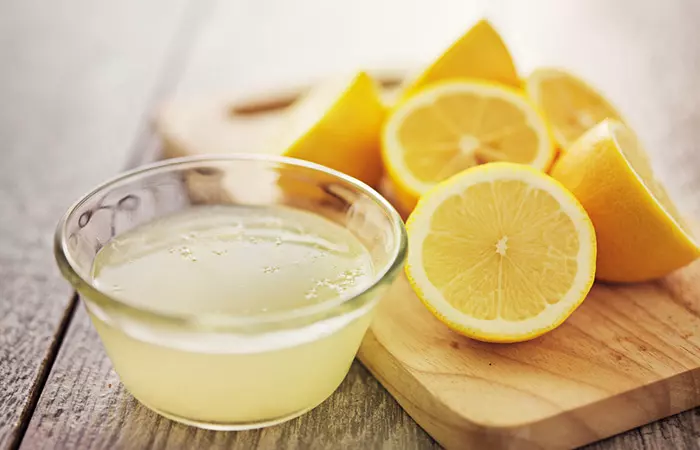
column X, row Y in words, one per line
column 233, row 260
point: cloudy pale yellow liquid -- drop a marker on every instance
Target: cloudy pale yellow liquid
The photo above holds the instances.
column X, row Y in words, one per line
column 243, row 262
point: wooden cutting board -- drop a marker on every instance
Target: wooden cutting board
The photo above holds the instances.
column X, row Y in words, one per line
column 628, row 356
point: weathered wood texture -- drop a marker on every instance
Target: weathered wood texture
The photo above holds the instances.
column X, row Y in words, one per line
column 75, row 79
column 84, row 406
column 644, row 54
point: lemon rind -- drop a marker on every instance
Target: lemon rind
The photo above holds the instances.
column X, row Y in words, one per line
column 607, row 129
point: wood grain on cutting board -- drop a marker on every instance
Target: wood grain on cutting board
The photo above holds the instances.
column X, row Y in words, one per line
column 629, row 355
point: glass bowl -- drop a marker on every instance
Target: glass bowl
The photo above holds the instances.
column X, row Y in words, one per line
column 230, row 371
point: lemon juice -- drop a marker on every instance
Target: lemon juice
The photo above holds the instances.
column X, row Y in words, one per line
column 250, row 263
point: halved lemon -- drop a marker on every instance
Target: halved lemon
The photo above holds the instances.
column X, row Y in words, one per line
column 641, row 234
column 570, row 105
column 455, row 125
column 480, row 53
column 501, row 252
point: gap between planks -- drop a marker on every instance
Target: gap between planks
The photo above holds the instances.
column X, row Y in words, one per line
column 44, row 371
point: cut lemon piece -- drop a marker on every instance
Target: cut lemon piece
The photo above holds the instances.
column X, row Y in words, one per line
column 480, row 53
column 501, row 252
column 455, row 125
column 338, row 124
column 641, row 235
column 570, row 105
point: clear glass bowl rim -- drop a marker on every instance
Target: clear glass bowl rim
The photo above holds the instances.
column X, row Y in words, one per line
column 223, row 322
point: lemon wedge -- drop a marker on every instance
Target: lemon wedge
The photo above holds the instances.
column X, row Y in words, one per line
column 641, row 234
column 338, row 124
column 480, row 53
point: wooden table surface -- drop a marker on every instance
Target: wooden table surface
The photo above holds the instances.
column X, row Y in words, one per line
column 79, row 81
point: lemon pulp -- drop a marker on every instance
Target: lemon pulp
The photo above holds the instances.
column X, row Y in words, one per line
column 520, row 260
column 466, row 129
column 501, row 252
column 570, row 104
column 458, row 124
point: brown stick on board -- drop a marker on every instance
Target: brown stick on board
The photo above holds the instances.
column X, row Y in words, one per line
column 277, row 100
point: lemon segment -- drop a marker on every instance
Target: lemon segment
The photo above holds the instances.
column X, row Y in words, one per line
column 480, row 53
column 338, row 124
column 501, row 252
column 458, row 124
column 570, row 105
column 641, row 234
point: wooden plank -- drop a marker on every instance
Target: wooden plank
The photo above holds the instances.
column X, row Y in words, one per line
column 74, row 84
column 78, row 408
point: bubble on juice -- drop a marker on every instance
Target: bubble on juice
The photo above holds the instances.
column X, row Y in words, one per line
column 186, row 253
column 311, row 294
column 321, row 253
column 271, row 269
column 347, row 279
